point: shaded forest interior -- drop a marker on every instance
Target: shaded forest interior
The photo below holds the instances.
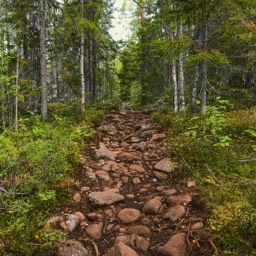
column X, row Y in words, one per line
column 189, row 64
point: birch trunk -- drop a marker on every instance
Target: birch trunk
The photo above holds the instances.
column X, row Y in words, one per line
column 194, row 86
column 82, row 63
column 181, row 97
column 16, row 123
column 204, row 74
column 43, row 67
column 175, row 87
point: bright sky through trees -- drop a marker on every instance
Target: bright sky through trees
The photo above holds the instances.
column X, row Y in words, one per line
column 121, row 20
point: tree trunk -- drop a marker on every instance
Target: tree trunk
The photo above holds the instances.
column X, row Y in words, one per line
column 204, row 73
column 175, row 87
column 194, row 86
column 16, row 123
column 181, row 97
column 82, row 63
column 43, row 67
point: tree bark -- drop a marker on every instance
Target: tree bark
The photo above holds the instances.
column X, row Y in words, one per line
column 194, row 86
column 175, row 87
column 181, row 97
column 43, row 67
column 204, row 73
column 82, row 61
column 16, row 123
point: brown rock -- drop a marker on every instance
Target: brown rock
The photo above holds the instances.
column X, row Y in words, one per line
column 109, row 128
column 84, row 189
column 161, row 175
column 102, row 175
column 165, row 165
column 152, row 206
column 128, row 215
column 169, row 192
column 93, row 216
column 130, row 196
column 176, row 246
column 138, row 230
column 104, row 152
column 125, row 179
column 197, row 226
column 174, row 213
column 137, row 168
column 158, row 136
column 71, row 223
column 142, row 146
column 136, row 181
column 77, row 197
column 191, row 184
column 180, row 199
column 127, row 157
column 71, row 248
column 94, row 230
column 80, row 216
column 145, row 221
column 142, row 243
column 105, row 198
column 120, row 249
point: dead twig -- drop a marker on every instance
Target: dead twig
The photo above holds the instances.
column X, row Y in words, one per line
column 213, row 245
column 97, row 253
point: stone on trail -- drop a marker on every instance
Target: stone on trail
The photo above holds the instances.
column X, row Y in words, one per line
column 176, row 246
column 165, row 165
column 120, row 249
column 174, row 213
column 138, row 230
column 128, row 215
column 161, row 175
column 152, row 206
column 105, row 198
column 197, row 226
column 139, row 242
column 109, row 128
column 191, row 184
column 77, row 197
column 137, row 168
column 127, row 157
column 180, row 199
column 158, row 136
column 54, row 220
column 102, row 175
column 71, row 223
column 71, row 248
column 95, row 230
column 104, row 152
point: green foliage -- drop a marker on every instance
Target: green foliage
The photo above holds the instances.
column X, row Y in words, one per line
column 35, row 163
column 217, row 149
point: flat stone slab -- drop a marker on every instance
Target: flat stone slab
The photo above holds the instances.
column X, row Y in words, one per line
column 165, row 165
column 105, row 198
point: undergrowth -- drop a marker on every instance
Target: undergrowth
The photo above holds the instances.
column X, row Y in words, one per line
column 37, row 164
column 218, row 149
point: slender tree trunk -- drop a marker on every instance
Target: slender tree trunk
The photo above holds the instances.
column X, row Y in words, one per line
column 16, row 123
column 204, row 73
column 194, row 86
column 57, row 80
column 175, row 87
column 181, row 97
column 82, row 62
column 43, row 67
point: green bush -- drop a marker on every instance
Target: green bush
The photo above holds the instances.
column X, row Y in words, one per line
column 218, row 150
column 35, row 163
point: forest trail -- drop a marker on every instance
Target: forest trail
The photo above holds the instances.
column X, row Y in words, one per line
column 135, row 203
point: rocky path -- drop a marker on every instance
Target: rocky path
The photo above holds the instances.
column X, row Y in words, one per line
column 130, row 200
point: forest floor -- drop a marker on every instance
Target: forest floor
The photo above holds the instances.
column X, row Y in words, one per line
column 129, row 199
